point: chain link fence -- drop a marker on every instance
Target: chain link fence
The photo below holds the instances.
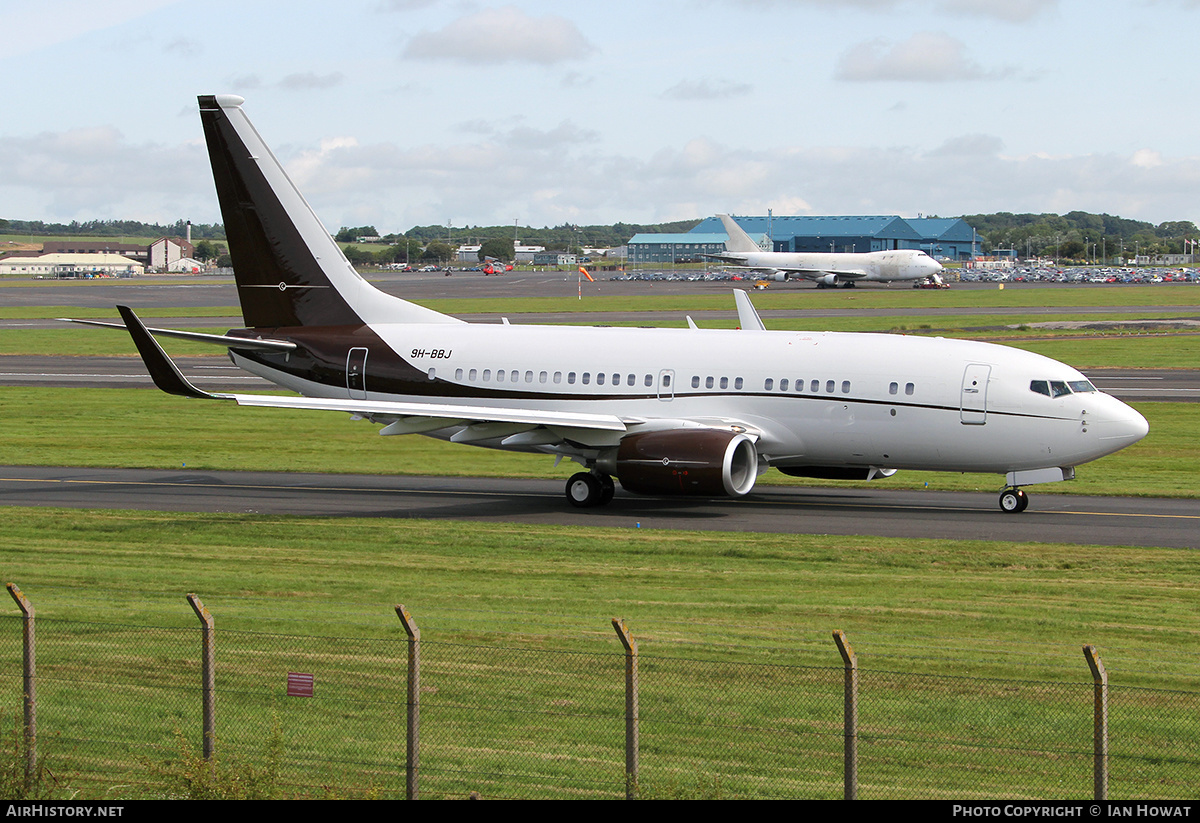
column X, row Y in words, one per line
column 327, row 717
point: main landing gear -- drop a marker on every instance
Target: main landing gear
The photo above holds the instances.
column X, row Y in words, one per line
column 1013, row 500
column 588, row 489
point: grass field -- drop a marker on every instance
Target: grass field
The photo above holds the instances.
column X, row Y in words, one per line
column 524, row 671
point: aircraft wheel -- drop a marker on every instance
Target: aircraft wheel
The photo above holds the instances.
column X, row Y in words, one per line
column 585, row 490
column 607, row 489
column 1013, row 501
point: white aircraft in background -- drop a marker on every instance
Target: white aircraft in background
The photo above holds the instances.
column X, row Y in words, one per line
column 825, row 268
column 664, row 411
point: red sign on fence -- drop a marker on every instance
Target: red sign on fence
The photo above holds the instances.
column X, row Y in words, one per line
column 299, row 685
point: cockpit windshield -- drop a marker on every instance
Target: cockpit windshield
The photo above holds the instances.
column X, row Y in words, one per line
column 1060, row 388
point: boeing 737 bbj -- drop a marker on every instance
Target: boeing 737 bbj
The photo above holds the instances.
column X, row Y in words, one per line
column 664, row 411
column 825, row 268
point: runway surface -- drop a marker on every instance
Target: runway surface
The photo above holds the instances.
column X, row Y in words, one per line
column 1111, row 521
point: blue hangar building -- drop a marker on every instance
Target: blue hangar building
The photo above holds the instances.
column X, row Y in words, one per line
column 942, row 238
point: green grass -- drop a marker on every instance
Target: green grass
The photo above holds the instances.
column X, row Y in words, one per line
column 969, row 652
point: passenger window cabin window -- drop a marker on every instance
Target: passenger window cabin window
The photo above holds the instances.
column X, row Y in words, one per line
column 893, row 388
column 529, row 377
column 542, row 376
column 558, row 377
column 471, row 376
column 695, row 381
column 708, row 382
column 724, row 382
column 768, row 384
column 814, row 386
column 845, row 387
column 783, row 384
column 599, row 379
column 458, row 374
column 737, row 383
column 487, row 375
column 500, row 375
column 909, row 388
column 649, row 381
column 432, row 373
column 829, row 387
column 571, row 378
column 632, row 380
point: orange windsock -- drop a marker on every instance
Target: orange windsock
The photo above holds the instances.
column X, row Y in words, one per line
column 584, row 272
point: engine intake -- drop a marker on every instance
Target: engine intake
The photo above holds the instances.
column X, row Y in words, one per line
column 699, row 462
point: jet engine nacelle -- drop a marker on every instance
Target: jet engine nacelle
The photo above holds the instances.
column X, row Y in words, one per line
column 828, row 280
column 778, row 277
column 699, row 462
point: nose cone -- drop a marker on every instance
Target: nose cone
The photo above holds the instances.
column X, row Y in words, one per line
column 1117, row 425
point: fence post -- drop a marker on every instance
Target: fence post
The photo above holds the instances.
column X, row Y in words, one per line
column 631, row 707
column 413, row 762
column 29, row 669
column 849, row 716
column 1099, row 723
column 207, row 675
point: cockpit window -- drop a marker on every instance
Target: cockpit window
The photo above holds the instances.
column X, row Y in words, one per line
column 1059, row 388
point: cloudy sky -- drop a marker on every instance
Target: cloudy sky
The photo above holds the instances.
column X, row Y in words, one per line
column 398, row 113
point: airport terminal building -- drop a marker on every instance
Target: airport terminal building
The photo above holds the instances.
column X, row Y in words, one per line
column 941, row 238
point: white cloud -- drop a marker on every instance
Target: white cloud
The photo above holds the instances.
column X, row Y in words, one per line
column 706, row 89
column 95, row 173
column 1147, row 159
column 504, row 35
column 926, row 57
column 1011, row 11
column 969, row 145
column 303, row 81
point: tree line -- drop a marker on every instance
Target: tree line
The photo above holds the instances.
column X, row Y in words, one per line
column 1080, row 235
column 113, row 228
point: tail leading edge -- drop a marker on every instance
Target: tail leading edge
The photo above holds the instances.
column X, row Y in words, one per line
column 739, row 241
column 289, row 271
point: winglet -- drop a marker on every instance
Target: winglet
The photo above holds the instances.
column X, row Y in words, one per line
column 166, row 374
column 748, row 319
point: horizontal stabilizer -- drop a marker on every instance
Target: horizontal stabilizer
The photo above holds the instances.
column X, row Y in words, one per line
column 245, row 343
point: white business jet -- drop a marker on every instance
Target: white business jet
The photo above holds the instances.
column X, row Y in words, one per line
column 664, row 411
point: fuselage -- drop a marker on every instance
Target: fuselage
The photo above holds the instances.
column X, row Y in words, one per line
column 877, row 266
column 811, row 398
